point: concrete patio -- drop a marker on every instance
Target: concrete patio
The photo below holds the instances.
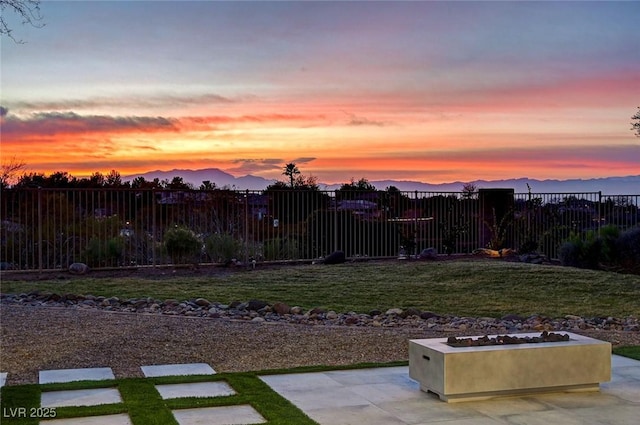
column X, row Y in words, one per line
column 374, row 396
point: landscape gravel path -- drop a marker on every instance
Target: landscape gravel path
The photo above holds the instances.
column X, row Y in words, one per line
column 37, row 338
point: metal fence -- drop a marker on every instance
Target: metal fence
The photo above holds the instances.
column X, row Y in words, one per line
column 43, row 229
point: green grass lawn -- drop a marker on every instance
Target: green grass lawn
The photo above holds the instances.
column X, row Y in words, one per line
column 465, row 288
column 632, row 352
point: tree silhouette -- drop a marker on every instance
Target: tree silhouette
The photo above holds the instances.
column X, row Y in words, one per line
column 361, row 185
column 9, row 171
column 469, row 190
column 207, row 185
column 27, row 10
column 635, row 126
column 291, row 170
column 176, row 183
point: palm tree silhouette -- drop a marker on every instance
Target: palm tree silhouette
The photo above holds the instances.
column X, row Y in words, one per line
column 291, row 170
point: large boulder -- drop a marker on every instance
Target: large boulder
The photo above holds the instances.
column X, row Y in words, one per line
column 335, row 257
column 429, row 254
column 202, row 302
column 256, row 305
column 78, row 268
column 281, row 308
column 411, row 312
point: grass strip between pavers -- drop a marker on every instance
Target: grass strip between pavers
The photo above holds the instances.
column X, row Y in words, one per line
column 144, row 405
column 273, row 407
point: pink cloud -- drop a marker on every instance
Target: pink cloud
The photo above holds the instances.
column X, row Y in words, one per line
column 52, row 123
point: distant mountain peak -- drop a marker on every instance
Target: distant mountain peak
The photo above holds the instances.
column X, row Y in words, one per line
column 626, row 185
column 214, row 175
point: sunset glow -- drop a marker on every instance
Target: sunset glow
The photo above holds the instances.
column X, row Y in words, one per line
column 426, row 91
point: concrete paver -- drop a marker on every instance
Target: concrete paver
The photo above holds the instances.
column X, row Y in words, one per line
column 626, row 390
column 389, row 396
column 177, row 369
column 619, row 361
column 227, row 415
column 368, row 414
column 89, row 397
column 622, row 415
column 70, row 375
column 195, row 389
column 422, row 411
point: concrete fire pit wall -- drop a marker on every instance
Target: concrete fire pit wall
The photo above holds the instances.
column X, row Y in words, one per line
column 474, row 373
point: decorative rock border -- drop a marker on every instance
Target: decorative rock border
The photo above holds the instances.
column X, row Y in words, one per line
column 262, row 311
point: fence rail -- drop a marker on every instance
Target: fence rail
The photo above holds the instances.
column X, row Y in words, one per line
column 44, row 229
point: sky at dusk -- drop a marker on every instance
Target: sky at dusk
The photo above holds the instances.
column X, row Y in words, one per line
column 428, row 91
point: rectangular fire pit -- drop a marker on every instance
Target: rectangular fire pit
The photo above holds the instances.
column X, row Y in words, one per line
column 482, row 372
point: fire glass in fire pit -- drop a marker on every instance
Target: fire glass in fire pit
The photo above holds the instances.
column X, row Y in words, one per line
column 506, row 339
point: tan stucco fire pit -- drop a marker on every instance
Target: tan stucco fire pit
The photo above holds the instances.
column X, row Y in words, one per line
column 476, row 372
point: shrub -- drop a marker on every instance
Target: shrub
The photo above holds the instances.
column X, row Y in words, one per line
column 281, row 249
column 570, row 253
column 627, row 247
column 528, row 246
column 609, row 234
column 101, row 253
column 576, row 252
column 222, row 247
column 182, row 245
column 609, row 250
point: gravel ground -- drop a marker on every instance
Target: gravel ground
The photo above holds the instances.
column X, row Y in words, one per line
column 58, row 338
column 37, row 338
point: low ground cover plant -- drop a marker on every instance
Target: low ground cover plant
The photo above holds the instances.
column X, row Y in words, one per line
column 606, row 249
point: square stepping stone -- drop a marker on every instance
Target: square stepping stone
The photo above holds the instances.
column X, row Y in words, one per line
column 3, row 379
column 195, row 389
column 177, row 370
column 227, row 415
column 92, row 397
column 119, row 419
column 71, row 375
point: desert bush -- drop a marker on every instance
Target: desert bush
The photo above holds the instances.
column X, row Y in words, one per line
column 222, row 247
column 104, row 253
column 499, row 229
column 609, row 234
column 578, row 252
column 607, row 249
column 528, row 246
column 281, row 249
column 182, row 245
column 627, row 246
column 570, row 253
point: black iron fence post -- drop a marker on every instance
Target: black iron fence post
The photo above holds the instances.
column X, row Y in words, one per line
column 335, row 221
column 153, row 227
column 246, row 227
column 40, row 229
